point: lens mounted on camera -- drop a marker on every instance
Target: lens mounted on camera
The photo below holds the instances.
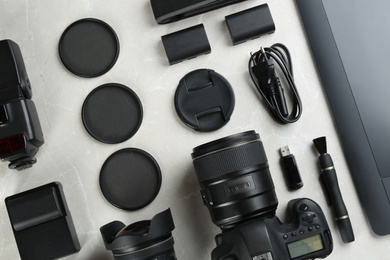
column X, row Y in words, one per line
column 234, row 178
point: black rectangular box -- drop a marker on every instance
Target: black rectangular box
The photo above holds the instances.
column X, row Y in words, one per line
column 42, row 223
column 186, row 44
column 250, row 23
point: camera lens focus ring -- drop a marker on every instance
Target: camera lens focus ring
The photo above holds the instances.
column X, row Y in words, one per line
column 235, row 180
column 233, row 159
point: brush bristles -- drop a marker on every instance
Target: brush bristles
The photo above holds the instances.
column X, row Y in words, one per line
column 320, row 144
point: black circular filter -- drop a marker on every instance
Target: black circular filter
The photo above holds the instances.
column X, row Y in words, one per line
column 130, row 179
column 89, row 47
column 112, row 113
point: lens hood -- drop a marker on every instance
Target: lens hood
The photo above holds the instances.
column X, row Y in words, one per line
column 141, row 240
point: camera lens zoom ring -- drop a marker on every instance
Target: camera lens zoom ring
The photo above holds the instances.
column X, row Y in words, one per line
column 234, row 159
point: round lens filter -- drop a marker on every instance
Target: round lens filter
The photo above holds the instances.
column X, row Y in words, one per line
column 89, row 47
column 130, row 179
column 112, row 113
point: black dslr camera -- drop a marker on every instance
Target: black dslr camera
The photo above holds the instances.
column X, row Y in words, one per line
column 237, row 188
column 20, row 130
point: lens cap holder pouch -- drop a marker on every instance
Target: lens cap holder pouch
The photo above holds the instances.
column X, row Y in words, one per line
column 20, row 131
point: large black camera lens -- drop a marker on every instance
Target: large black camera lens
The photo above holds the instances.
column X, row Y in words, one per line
column 143, row 240
column 235, row 180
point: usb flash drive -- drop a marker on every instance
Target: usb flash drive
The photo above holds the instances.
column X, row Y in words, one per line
column 290, row 168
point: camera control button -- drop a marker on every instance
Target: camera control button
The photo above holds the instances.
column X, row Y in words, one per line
column 285, row 236
column 293, row 234
column 310, row 228
column 301, row 232
column 317, row 226
column 218, row 239
column 303, row 207
column 308, row 217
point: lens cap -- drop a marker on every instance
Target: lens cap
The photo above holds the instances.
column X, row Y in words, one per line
column 204, row 100
column 112, row 113
column 130, row 179
column 89, row 48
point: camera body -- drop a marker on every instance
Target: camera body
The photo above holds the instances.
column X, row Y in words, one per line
column 237, row 187
column 307, row 236
column 20, row 131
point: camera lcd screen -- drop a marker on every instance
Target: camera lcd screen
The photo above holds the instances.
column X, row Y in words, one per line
column 305, row 246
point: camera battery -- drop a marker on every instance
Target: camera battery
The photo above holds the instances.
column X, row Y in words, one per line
column 42, row 223
column 186, row 44
column 250, row 23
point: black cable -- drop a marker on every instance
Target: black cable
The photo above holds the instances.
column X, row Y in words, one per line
column 262, row 71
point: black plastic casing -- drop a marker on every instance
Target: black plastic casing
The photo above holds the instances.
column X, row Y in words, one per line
column 18, row 113
column 250, row 24
column 268, row 237
column 291, row 172
column 186, row 44
column 42, row 223
column 167, row 11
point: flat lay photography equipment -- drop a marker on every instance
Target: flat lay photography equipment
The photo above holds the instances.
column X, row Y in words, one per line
column 194, row 129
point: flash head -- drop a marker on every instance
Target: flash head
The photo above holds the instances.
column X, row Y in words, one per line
column 20, row 131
